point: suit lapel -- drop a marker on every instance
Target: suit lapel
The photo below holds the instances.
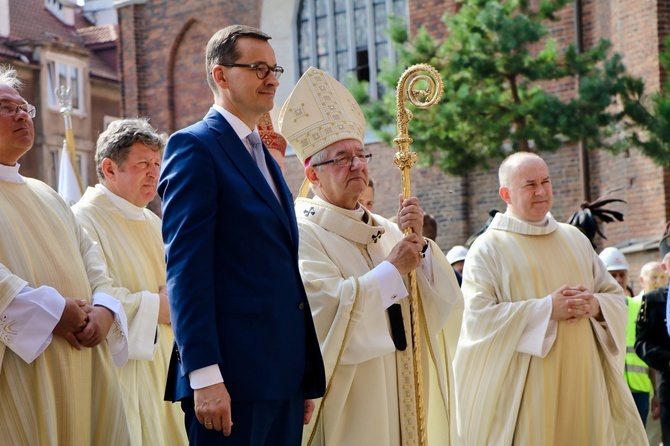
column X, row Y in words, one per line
column 284, row 193
column 239, row 157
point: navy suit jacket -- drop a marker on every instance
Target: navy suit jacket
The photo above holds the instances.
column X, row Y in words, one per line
column 235, row 292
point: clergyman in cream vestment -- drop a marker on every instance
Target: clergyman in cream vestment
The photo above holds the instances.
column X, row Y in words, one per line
column 114, row 214
column 52, row 277
column 522, row 376
column 352, row 265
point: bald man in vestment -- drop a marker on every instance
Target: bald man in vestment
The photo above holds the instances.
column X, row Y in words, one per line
column 540, row 356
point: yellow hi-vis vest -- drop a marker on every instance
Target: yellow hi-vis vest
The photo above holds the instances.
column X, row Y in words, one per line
column 636, row 371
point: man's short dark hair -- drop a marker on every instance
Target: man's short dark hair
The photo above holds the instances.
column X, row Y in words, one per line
column 115, row 142
column 429, row 226
column 222, row 47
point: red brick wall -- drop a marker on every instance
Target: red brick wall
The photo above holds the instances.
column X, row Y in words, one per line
column 164, row 71
column 429, row 13
column 166, row 58
column 663, row 14
column 636, row 30
column 131, row 60
column 187, row 87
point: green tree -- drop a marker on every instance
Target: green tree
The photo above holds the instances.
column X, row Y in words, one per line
column 495, row 65
column 648, row 127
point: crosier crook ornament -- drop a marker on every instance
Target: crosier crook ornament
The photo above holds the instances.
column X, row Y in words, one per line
column 405, row 159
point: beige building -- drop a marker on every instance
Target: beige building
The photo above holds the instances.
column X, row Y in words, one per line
column 56, row 42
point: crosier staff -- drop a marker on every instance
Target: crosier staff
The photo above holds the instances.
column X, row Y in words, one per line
column 64, row 96
column 405, row 159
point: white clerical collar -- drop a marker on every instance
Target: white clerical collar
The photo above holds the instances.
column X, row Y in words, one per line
column 11, row 174
column 240, row 128
column 125, row 207
column 356, row 214
column 541, row 223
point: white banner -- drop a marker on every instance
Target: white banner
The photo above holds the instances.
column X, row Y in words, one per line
column 68, row 186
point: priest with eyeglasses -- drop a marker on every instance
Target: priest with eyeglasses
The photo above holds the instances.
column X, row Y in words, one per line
column 61, row 330
column 354, row 266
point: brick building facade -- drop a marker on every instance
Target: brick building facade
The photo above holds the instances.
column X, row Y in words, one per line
column 48, row 41
column 162, row 64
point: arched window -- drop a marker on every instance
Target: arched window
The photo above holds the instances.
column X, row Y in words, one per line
column 347, row 37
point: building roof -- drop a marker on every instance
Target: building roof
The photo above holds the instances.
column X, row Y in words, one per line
column 4, row 51
column 30, row 22
column 102, row 70
column 100, row 37
column 96, row 35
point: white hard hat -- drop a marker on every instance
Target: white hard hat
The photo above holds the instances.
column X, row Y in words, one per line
column 456, row 254
column 613, row 259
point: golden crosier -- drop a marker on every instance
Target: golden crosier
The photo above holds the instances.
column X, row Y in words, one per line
column 405, row 159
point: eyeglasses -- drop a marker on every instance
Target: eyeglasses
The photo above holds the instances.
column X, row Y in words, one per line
column 346, row 160
column 11, row 109
column 262, row 69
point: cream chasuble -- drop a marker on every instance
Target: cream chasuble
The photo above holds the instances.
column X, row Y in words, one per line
column 576, row 394
column 369, row 383
column 135, row 258
column 65, row 396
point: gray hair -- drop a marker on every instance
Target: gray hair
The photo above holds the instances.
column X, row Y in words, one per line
column 318, row 157
column 505, row 172
column 222, row 47
column 8, row 76
column 115, row 142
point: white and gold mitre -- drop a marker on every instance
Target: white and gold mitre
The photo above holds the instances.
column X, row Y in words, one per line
column 319, row 112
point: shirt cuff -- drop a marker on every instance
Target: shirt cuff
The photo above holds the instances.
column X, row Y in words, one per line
column 142, row 332
column 390, row 283
column 540, row 332
column 116, row 338
column 205, row 377
column 27, row 324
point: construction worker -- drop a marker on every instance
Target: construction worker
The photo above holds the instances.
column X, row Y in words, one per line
column 636, row 371
column 456, row 256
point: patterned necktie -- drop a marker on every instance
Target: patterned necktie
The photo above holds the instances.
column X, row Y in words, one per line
column 259, row 156
column 257, row 151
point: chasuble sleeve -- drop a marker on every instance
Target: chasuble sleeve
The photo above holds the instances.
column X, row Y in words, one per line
column 102, row 294
column 612, row 332
column 10, row 286
column 493, row 324
column 439, row 291
column 346, row 305
column 141, row 308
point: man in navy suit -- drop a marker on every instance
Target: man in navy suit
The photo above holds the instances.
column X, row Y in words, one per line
column 247, row 360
